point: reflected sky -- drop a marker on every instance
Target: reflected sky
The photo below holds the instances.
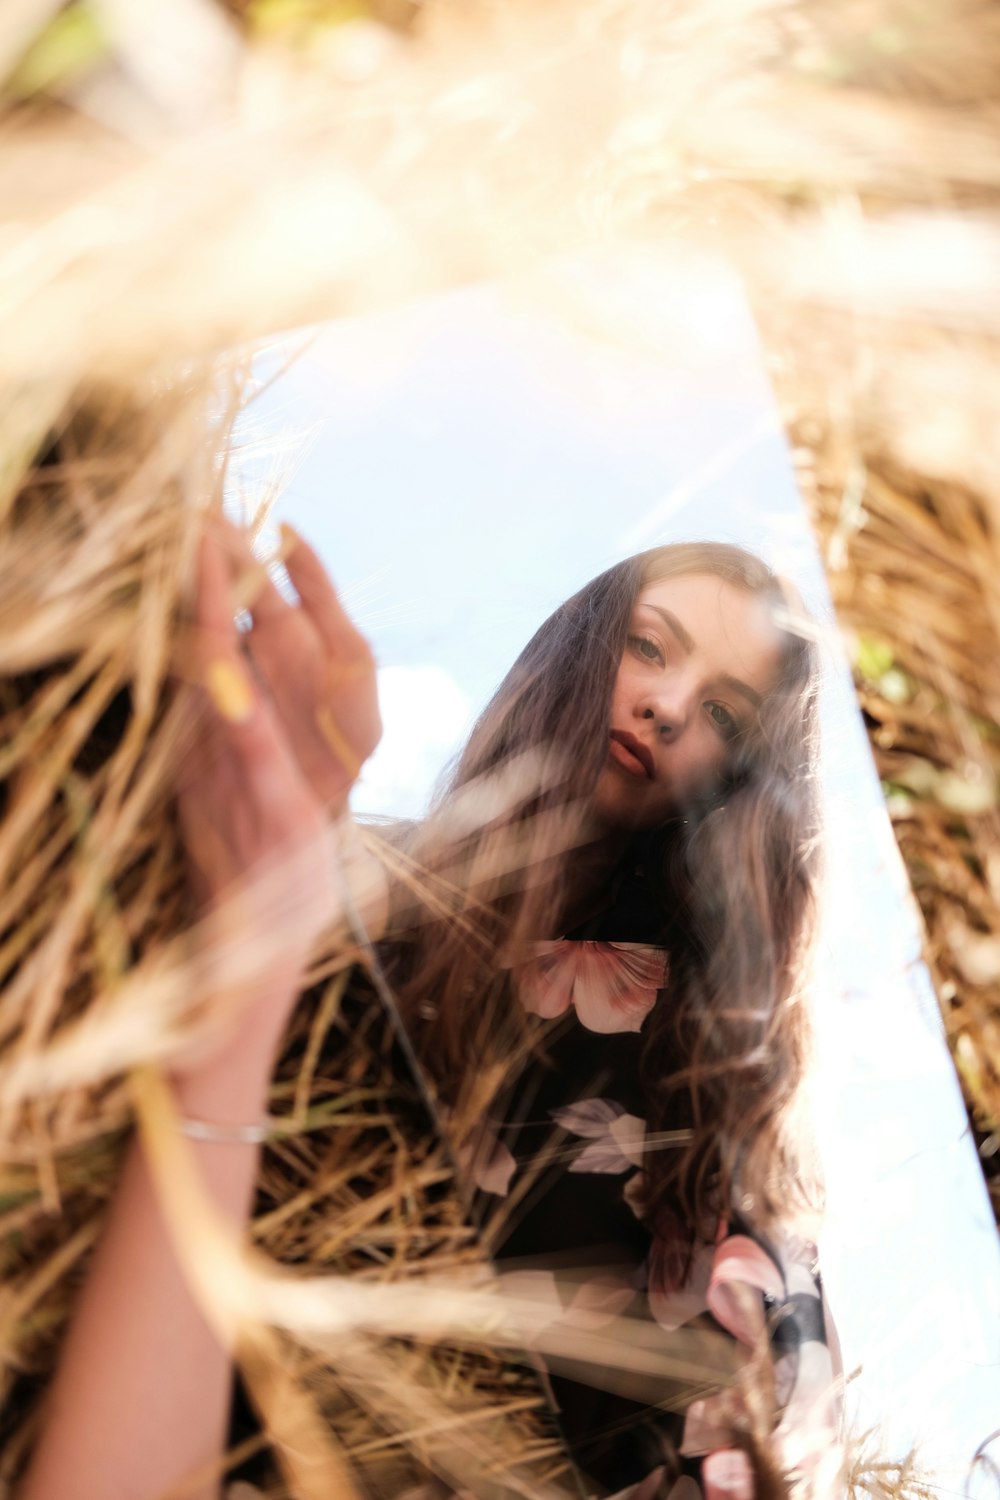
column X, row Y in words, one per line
column 463, row 466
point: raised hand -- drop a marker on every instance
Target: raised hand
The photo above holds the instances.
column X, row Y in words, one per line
column 282, row 717
column 277, row 722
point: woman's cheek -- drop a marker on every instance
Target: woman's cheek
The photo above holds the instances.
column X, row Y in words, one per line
column 697, row 774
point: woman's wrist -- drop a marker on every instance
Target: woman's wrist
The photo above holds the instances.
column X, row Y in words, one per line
column 239, row 1056
column 248, row 1016
column 224, row 1108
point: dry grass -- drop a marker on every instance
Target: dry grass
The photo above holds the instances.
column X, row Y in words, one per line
column 917, row 586
column 168, row 197
column 872, row 1476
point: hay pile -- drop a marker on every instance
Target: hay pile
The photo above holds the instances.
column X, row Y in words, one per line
column 920, row 591
column 355, row 1182
column 172, row 190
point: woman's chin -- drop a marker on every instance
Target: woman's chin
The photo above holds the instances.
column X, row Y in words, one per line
column 622, row 808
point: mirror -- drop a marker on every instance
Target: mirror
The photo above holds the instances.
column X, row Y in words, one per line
column 465, row 464
column 183, row 181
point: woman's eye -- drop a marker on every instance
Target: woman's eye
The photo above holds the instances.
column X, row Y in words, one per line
column 646, row 647
column 724, row 720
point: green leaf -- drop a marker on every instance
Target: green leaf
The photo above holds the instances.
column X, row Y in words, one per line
column 872, row 657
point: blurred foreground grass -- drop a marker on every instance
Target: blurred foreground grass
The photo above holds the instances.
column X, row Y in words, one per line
column 179, row 181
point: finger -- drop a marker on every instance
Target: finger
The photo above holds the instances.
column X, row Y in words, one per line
column 214, row 696
column 342, row 721
column 349, row 717
column 292, row 661
column 213, row 605
column 216, row 663
column 319, row 598
column 315, row 664
column 253, row 588
column 205, row 640
column 283, row 641
column 233, row 580
column 249, row 574
column 277, row 624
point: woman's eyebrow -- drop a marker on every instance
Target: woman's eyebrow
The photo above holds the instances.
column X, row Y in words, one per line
column 686, row 641
column 744, row 688
column 675, row 627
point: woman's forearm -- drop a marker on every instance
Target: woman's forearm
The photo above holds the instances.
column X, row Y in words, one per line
column 141, row 1396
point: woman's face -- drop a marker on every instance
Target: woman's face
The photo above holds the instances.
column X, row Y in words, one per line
column 701, row 655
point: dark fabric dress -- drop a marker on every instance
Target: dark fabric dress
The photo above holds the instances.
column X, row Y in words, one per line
column 556, row 1190
column 567, row 1155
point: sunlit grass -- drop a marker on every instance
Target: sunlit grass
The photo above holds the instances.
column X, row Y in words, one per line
column 183, row 199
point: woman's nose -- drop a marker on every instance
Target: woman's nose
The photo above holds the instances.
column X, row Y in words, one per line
column 669, row 710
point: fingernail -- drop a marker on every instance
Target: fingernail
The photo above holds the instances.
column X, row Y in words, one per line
column 230, row 691
column 289, row 539
column 246, row 589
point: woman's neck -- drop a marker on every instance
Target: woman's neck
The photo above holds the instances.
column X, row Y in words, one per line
column 589, row 886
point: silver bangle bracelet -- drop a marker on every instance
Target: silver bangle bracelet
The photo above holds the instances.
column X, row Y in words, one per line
column 225, row 1135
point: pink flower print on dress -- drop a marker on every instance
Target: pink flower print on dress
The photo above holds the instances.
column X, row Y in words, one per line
column 634, row 1193
column 714, row 1423
column 493, row 1164
column 727, row 1475
column 742, row 1275
column 540, row 1301
column 611, row 986
column 598, row 1301
column 678, row 1276
column 807, row 1439
column 533, row 1302
column 617, row 1139
column 482, row 1155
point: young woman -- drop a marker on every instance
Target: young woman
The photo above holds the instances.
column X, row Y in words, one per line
column 629, row 848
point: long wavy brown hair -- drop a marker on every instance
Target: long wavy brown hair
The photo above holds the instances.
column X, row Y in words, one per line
column 734, row 897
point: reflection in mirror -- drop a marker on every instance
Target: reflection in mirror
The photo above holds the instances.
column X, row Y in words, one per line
column 464, row 467
column 205, row 174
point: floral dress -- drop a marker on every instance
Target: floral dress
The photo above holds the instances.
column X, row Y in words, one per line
column 657, row 1409
column 560, row 1181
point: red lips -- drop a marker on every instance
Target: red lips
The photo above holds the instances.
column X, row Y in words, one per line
column 635, row 751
